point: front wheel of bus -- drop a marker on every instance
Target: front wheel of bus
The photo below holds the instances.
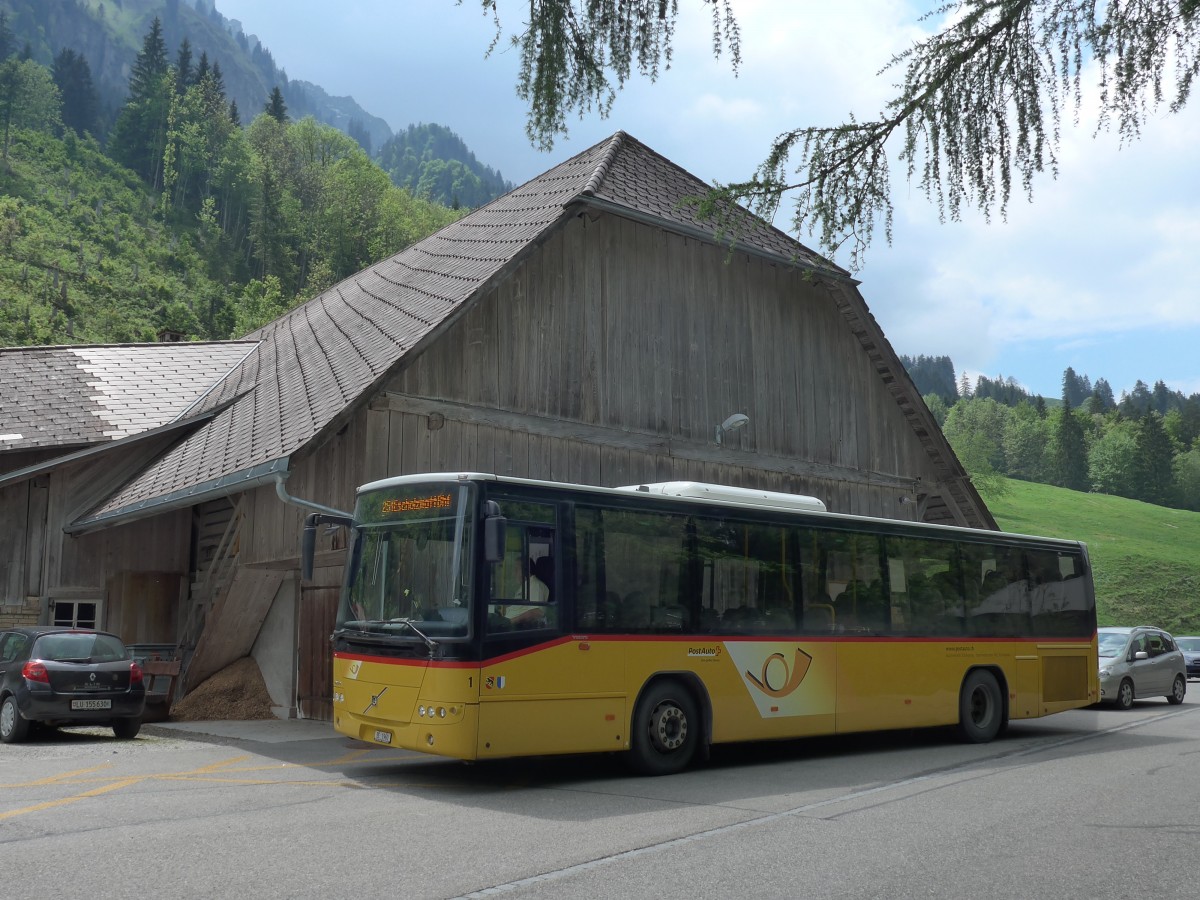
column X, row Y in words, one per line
column 980, row 708
column 665, row 730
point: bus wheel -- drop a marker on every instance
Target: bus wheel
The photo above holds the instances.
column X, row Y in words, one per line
column 665, row 731
column 980, row 708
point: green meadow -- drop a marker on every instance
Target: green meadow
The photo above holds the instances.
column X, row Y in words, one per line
column 1145, row 558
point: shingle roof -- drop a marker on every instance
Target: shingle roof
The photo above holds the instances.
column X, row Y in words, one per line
column 313, row 362
column 76, row 396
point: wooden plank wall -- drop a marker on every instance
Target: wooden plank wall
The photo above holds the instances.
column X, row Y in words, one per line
column 14, row 510
column 635, row 329
column 329, row 477
column 141, row 607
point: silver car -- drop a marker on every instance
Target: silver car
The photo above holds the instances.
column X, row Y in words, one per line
column 1140, row 662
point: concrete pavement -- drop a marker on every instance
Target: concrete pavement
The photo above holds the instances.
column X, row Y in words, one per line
column 267, row 731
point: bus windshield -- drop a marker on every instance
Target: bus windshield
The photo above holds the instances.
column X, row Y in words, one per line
column 409, row 573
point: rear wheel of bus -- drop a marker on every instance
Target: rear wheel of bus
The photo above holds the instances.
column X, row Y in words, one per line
column 666, row 729
column 980, row 707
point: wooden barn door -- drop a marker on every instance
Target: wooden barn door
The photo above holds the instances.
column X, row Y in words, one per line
column 318, row 609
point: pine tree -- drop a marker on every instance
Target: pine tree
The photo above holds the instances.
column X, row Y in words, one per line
column 1069, row 462
column 202, row 68
column 1153, row 465
column 7, row 40
column 151, row 63
column 218, row 79
column 275, row 107
column 185, row 76
column 139, row 135
column 234, row 116
column 80, row 101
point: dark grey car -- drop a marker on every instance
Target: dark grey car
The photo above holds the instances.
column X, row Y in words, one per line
column 1190, row 646
column 67, row 676
column 1140, row 662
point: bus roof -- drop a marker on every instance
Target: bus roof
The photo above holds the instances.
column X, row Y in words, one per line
column 696, row 490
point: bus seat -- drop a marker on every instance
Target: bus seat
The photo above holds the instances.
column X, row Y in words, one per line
column 671, row 617
column 635, row 611
column 819, row 617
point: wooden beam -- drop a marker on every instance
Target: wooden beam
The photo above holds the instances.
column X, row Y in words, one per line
column 644, row 442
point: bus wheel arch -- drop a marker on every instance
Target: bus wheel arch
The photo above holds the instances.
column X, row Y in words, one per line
column 982, row 705
column 670, row 726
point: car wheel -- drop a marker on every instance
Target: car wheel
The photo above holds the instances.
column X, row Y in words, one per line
column 13, row 729
column 665, row 730
column 1178, row 691
column 126, row 728
column 1125, row 695
column 980, row 707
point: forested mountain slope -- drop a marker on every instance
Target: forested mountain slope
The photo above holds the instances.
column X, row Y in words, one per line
column 432, row 161
column 108, row 33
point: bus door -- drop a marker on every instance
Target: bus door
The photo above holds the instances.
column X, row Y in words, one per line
column 544, row 688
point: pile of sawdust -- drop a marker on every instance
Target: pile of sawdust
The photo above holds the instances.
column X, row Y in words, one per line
column 236, row 692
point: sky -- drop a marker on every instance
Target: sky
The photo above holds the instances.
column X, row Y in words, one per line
column 1099, row 272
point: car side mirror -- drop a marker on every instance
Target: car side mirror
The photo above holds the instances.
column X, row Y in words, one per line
column 1141, row 654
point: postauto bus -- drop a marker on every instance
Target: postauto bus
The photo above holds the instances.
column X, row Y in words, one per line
column 486, row 617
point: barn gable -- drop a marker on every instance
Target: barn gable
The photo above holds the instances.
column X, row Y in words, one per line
column 314, row 367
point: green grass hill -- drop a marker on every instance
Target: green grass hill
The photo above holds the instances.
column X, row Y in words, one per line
column 1145, row 558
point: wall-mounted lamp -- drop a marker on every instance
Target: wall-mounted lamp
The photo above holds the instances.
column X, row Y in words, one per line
column 906, row 499
column 733, row 423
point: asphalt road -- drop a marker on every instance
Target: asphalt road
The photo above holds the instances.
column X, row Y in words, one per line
column 1090, row 803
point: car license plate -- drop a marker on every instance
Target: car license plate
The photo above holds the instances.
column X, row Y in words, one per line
column 383, row 737
column 91, row 704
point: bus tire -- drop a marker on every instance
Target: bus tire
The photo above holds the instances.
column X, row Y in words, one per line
column 665, row 730
column 980, row 707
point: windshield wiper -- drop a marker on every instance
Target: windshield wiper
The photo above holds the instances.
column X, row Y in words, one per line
column 362, row 626
column 429, row 642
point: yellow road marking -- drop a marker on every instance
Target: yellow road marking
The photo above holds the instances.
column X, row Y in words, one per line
column 95, row 792
column 52, row 779
column 220, row 772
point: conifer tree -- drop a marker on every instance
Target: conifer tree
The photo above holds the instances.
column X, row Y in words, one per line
column 185, row 76
column 139, row 135
column 217, row 78
column 202, row 68
column 1153, row 464
column 275, row 107
column 80, row 101
column 7, row 41
column 1069, row 462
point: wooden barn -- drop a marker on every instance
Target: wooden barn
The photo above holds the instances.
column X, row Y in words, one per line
column 586, row 327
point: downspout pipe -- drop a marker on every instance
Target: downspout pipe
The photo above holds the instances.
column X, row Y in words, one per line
column 282, row 477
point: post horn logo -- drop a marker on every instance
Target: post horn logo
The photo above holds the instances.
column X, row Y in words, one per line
column 778, row 679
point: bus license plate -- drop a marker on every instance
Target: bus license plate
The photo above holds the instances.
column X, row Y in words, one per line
column 91, row 704
column 383, row 737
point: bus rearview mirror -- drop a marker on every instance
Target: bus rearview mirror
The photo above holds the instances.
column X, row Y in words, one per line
column 494, row 526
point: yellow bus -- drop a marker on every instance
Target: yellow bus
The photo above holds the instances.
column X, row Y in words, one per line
column 487, row 617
